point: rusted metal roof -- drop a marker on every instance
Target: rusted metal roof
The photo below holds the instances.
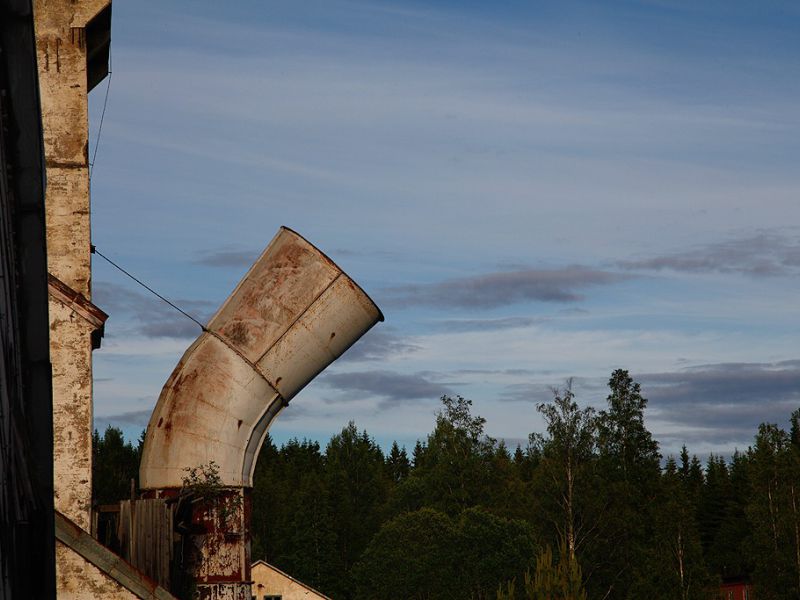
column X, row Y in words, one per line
column 293, row 313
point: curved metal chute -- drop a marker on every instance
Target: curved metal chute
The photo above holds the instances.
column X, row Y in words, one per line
column 293, row 313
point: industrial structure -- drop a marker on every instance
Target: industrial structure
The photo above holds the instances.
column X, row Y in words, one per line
column 292, row 314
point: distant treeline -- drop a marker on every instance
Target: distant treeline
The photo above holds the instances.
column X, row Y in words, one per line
column 589, row 509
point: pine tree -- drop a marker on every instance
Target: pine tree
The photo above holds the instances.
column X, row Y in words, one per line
column 714, row 499
column 561, row 580
column 770, row 511
column 730, row 556
column 267, row 502
column 673, row 565
column 358, row 488
column 397, row 464
column 794, row 431
column 115, row 463
column 629, row 463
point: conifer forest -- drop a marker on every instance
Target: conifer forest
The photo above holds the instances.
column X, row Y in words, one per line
column 588, row 509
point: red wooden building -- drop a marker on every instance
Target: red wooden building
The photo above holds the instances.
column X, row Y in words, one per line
column 736, row 589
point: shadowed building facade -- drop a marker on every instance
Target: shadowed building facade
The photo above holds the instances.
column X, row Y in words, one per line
column 72, row 48
column 27, row 540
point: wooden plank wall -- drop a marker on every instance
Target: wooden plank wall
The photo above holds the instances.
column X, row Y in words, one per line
column 146, row 537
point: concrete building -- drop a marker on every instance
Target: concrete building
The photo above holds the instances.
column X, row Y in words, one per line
column 72, row 46
column 270, row 583
column 72, row 40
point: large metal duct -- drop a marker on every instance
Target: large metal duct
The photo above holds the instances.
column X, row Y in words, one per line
column 293, row 313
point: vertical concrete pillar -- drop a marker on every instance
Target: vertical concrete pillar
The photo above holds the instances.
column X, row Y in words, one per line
column 66, row 41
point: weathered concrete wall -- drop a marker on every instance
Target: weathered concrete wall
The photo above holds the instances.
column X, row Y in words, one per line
column 61, row 53
column 78, row 579
column 62, row 60
column 71, row 357
column 270, row 581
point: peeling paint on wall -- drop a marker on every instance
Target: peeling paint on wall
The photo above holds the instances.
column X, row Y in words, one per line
column 78, row 579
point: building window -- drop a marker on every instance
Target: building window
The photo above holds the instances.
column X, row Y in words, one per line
column 746, row 594
column 273, row 597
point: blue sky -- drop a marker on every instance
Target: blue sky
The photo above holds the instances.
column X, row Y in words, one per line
column 530, row 191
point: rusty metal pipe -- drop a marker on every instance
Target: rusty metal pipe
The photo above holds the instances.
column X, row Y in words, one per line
column 293, row 313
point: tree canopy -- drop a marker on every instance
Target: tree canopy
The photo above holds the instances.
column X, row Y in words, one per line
column 464, row 517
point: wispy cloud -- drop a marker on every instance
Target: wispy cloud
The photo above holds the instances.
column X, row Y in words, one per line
column 537, row 392
column 720, row 440
column 766, row 254
column 389, row 386
column 295, row 411
column 526, row 392
column 727, row 384
column 722, row 402
column 512, row 372
column 464, row 325
column 137, row 418
column 147, row 315
column 228, row 258
column 504, row 288
column 379, row 344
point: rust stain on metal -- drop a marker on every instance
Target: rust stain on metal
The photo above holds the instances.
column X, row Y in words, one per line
column 217, row 554
column 237, row 333
column 291, row 315
column 293, row 272
column 223, row 592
